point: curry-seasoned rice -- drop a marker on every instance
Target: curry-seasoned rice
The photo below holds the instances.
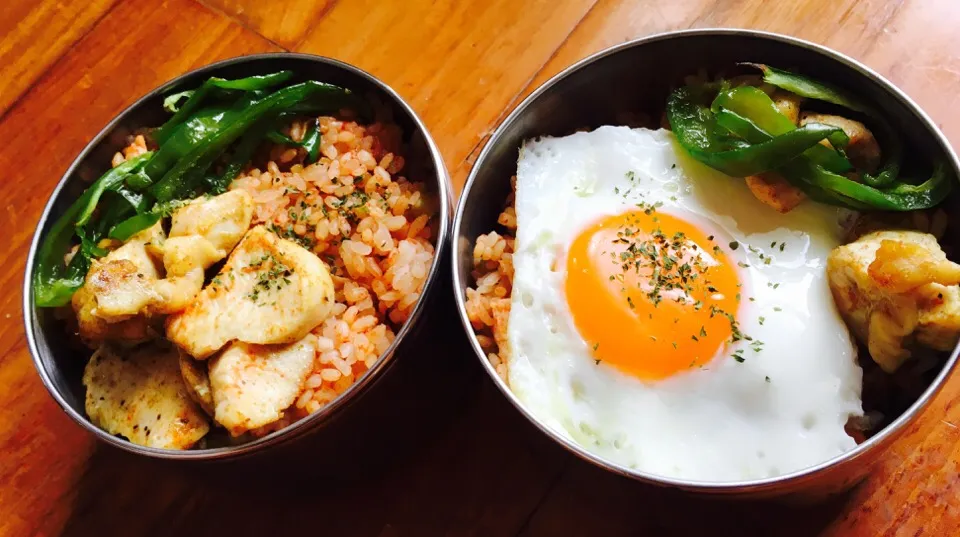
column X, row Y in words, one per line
column 371, row 226
column 488, row 301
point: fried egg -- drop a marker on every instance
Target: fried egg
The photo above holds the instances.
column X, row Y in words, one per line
column 666, row 320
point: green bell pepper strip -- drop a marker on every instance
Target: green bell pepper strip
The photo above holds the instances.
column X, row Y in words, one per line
column 191, row 134
column 197, row 96
column 813, row 89
column 55, row 290
column 891, row 168
column 133, row 225
column 810, row 88
column 230, row 128
column 697, row 129
column 749, row 131
column 111, row 180
column 902, row 197
column 753, row 103
column 768, row 155
column 701, row 140
column 311, row 143
column 797, row 174
column 117, row 206
column 242, row 154
column 822, row 185
column 185, row 138
column 58, row 291
column 54, row 284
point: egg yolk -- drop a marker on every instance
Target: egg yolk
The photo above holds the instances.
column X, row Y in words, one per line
column 651, row 294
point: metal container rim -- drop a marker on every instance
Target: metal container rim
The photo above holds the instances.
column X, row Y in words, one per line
column 302, row 426
column 720, row 487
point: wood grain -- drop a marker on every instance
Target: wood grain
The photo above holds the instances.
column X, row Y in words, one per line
column 482, row 470
column 285, row 22
column 110, row 68
column 469, row 60
column 33, row 35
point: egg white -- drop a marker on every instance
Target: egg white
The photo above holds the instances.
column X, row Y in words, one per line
column 781, row 410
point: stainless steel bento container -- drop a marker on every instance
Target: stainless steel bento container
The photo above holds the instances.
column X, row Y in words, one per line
column 60, row 362
column 633, row 79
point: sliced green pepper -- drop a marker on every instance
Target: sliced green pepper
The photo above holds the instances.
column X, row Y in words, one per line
column 185, row 138
column 701, row 140
column 117, row 206
column 744, row 121
column 824, row 186
column 111, row 180
column 311, row 143
column 814, row 89
column 54, row 284
column 750, row 102
column 230, row 128
column 242, row 154
column 196, row 97
column 809, row 88
column 57, row 290
column 190, row 143
column 902, row 197
column 751, row 132
column 133, row 225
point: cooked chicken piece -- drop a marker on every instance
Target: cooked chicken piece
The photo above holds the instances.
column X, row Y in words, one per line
column 270, row 291
column 201, row 233
column 94, row 331
column 127, row 287
column 892, row 287
column 788, row 104
column 116, row 288
column 141, row 396
column 939, row 321
column 221, row 220
column 253, row 384
column 197, row 381
column 122, row 280
column 863, row 149
column 773, row 190
column 127, row 282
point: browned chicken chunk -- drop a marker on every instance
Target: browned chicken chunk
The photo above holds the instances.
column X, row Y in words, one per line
column 894, row 288
column 863, row 149
column 788, row 104
column 773, row 190
column 140, row 394
column 117, row 286
column 252, row 385
column 128, row 287
column 270, row 291
column 197, row 381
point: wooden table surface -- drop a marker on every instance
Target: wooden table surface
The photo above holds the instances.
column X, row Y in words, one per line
column 68, row 66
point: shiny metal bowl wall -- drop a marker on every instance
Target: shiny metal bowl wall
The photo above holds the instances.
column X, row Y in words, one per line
column 633, row 80
column 58, row 358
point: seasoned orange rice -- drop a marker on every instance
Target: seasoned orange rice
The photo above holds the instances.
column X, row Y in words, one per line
column 488, row 301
